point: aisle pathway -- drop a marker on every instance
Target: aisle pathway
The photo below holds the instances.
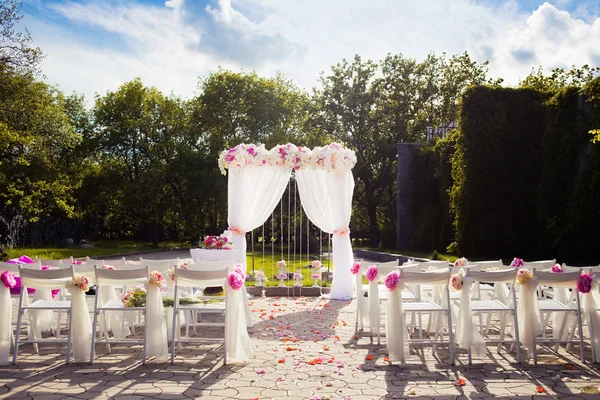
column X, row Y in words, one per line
column 306, row 348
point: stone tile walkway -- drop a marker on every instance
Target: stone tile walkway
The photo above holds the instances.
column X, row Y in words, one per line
column 306, row 348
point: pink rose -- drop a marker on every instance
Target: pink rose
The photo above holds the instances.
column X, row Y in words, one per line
column 8, row 278
column 235, row 280
column 355, row 268
column 372, row 273
column 557, row 268
column 584, row 283
column 392, row 279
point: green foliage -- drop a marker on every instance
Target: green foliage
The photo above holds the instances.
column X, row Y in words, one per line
column 15, row 47
column 495, row 171
column 560, row 78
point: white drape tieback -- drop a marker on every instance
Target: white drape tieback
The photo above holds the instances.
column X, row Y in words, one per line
column 467, row 335
column 395, row 326
column 528, row 314
column 590, row 309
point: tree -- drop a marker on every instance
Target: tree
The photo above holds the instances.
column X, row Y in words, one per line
column 15, row 47
column 560, row 78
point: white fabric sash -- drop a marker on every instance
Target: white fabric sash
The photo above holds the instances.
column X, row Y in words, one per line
column 560, row 294
column 237, row 342
column 374, row 307
column 590, row 309
column 5, row 327
column 467, row 335
column 396, row 333
column 156, row 336
column 528, row 314
column 81, row 325
column 361, row 301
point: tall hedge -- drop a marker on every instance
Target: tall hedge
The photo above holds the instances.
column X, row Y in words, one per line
column 526, row 177
column 496, row 169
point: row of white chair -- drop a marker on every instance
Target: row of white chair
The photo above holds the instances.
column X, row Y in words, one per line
column 114, row 278
column 482, row 273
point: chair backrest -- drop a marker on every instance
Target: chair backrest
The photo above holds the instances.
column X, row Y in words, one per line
column 542, row 264
column 119, row 263
column 92, row 261
column 211, row 265
column 501, row 276
column 4, row 266
column 490, row 264
column 587, row 269
column 434, row 264
column 384, row 268
column 568, row 279
column 51, row 263
column 121, row 277
column 200, row 278
column 85, row 269
column 49, row 279
column 438, row 277
column 157, row 265
column 67, row 261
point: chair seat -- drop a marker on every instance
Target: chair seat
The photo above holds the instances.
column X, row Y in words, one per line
column 553, row 305
column 383, row 292
column 49, row 305
column 488, row 305
column 421, row 306
column 216, row 307
column 117, row 305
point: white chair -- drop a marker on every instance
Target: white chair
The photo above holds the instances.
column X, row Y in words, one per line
column 212, row 265
column 197, row 278
column 121, row 263
column 495, row 305
column 161, row 266
column 52, row 263
column 542, row 265
column 115, row 277
column 92, row 261
column 566, row 280
column 48, row 279
column 439, row 277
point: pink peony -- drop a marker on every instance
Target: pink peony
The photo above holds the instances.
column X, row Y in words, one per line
column 584, row 283
column 392, row 279
column 355, row 268
column 516, row 263
column 239, row 268
column 372, row 273
column 316, row 276
column 557, row 268
column 235, row 280
column 316, row 264
column 8, row 278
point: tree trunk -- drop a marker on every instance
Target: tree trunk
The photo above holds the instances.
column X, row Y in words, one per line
column 374, row 230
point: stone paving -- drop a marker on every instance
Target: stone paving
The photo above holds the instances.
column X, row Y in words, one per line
column 306, row 348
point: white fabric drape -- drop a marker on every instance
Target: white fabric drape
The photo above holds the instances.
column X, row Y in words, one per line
column 5, row 327
column 115, row 319
column 590, row 303
column 253, row 193
column 327, row 200
column 156, row 336
column 81, row 325
column 237, row 342
column 528, row 314
column 467, row 335
column 395, row 327
column 560, row 294
column 374, row 307
column 362, row 302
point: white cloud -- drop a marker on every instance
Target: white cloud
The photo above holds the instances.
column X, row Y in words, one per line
column 171, row 46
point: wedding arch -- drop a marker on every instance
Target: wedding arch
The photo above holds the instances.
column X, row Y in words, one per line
column 258, row 178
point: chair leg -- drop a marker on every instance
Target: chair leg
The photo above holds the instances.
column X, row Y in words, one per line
column 502, row 329
column 70, row 321
column 94, row 324
column 579, row 324
column 18, row 332
column 145, row 342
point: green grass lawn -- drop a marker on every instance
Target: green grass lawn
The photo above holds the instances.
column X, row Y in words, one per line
column 102, row 248
column 268, row 264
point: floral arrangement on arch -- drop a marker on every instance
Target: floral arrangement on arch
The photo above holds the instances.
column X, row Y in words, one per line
column 332, row 157
column 217, row 243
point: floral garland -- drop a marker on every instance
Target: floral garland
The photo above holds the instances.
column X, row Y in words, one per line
column 81, row 282
column 332, row 157
column 584, row 283
column 8, row 279
column 391, row 280
column 457, row 281
column 372, row 273
column 355, row 268
column 524, row 276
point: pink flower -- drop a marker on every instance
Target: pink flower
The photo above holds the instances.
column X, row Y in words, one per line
column 355, row 268
column 557, row 268
column 251, row 151
column 584, row 283
column 239, row 268
column 46, row 267
column 316, row 264
column 298, row 275
column 8, row 278
column 230, row 158
column 235, row 280
column 316, row 276
column 392, row 279
column 372, row 273
column 516, row 263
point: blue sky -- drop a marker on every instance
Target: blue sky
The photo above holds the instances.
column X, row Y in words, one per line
column 93, row 46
